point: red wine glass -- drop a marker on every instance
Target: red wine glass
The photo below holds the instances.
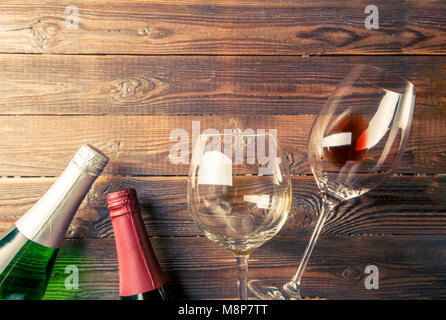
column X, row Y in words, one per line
column 354, row 146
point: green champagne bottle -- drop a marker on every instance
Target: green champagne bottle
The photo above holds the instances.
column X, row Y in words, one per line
column 29, row 249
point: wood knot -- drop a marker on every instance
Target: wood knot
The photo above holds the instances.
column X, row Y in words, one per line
column 45, row 35
column 114, row 146
column 411, row 37
column 83, row 225
column 336, row 37
column 143, row 31
column 297, row 160
column 136, row 89
column 154, row 32
column 352, row 274
column 300, row 220
column 437, row 190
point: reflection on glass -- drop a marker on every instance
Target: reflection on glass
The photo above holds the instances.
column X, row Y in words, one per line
column 238, row 194
column 355, row 144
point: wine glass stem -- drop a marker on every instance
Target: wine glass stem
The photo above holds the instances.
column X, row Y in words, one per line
column 294, row 284
column 242, row 268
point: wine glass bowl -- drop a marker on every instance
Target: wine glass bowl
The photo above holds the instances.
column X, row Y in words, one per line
column 359, row 135
column 354, row 146
column 239, row 195
column 240, row 217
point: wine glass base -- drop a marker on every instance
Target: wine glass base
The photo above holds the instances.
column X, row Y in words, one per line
column 264, row 291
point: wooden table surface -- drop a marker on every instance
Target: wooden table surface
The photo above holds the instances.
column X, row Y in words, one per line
column 130, row 72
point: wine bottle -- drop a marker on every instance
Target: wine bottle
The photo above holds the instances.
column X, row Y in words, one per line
column 140, row 275
column 29, row 249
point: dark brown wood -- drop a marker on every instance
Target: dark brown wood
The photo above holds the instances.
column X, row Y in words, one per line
column 140, row 145
column 410, row 267
column 197, row 85
column 223, row 27
column 133, row 71
column 403, row 205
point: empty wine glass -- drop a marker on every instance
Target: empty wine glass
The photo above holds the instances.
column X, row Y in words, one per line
column 354, row 146
column 239, row 192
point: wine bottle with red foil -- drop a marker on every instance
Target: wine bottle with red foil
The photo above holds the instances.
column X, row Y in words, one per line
column 140, row 275
column 29, row 249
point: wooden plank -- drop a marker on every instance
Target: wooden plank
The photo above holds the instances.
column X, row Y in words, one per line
column 142, row 145
column 403, row 205
column 191, row 85
column 222, row 27
column 410, row 267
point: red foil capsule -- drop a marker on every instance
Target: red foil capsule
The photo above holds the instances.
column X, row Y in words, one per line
column 139, row 270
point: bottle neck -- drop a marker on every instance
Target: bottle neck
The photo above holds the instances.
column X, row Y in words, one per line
column 139, row 270
column 47, row 222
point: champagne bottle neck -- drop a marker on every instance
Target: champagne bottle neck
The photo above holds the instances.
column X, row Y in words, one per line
column 48, row 220
column 139, row 270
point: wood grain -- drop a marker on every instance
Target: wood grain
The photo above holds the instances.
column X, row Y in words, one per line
column 403, row 205
column 134, row 71
column 410, row 267
column 143, row 145
column 198, row 85
column 222, row 27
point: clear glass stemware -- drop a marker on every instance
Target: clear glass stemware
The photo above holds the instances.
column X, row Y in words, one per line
column 239, row 192
column 354, row 146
